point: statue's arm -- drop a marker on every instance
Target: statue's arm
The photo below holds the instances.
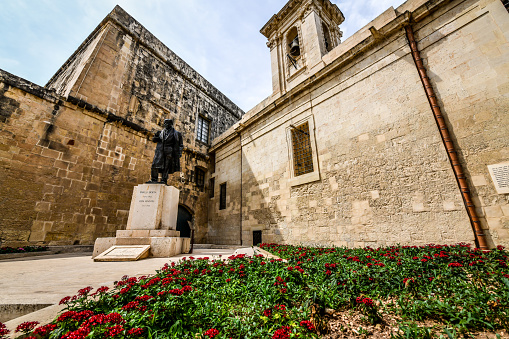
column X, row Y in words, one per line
column 157, row 137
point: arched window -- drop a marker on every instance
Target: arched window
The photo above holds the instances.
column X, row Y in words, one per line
column 293, row 42
column 327, row 38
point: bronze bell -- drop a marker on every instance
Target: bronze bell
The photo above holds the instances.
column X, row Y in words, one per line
column 294, row 47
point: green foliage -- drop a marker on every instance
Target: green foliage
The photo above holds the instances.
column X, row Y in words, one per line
column 241, row 297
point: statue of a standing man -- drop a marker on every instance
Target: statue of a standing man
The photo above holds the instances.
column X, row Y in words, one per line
column 168, row 152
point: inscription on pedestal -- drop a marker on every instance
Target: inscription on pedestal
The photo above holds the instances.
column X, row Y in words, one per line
column 147, row 198
column 146, row 207
column 500, row 176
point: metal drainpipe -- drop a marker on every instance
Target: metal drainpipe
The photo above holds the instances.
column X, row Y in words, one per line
column 446, row 139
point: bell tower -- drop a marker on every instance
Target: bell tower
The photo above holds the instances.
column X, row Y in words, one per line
column 298, row 37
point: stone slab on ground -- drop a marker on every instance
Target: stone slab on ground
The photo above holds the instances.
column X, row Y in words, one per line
column 124, row 253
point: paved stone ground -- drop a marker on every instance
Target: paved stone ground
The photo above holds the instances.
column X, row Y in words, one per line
column 47, row 279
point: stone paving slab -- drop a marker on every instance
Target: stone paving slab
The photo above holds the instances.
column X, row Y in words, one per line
column 48, row 279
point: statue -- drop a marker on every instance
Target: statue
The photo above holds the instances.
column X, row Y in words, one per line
column 168, row 152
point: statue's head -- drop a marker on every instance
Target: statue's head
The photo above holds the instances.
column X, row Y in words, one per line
column 168, row 123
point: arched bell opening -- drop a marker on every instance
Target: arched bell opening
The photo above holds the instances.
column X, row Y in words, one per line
column 184, row 216
column 293, row 43
column 327, row 38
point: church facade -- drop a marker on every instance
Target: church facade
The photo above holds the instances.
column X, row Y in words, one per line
column 396, row 135
column 347, row 151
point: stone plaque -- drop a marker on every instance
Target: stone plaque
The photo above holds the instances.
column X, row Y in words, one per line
column 124, row 253
column 146, row 207
column 153, row 207
column 500, row 176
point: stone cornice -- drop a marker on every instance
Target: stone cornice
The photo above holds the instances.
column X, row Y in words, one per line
column 123, row 20
column 390, row 28
column 303, row 6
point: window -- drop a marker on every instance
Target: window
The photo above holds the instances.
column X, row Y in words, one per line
column 326, row 38
column 202, row 132
column 222, row 196
column 200, row 178
column 302, row 153
column 293, row 42
column 212, row 183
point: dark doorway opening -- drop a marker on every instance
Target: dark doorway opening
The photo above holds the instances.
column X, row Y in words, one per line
column 257, row 238
column 183, row 217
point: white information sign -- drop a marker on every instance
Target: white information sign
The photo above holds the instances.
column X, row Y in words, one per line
column 500, row 176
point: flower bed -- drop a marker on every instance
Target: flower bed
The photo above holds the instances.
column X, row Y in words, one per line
column 453, row 289
column 26, row 249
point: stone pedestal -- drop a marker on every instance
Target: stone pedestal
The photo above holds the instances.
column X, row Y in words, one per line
column 152, row 222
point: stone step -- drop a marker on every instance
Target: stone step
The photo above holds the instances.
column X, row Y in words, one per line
column 43, row 316
column 216, row 246
column 12, row 311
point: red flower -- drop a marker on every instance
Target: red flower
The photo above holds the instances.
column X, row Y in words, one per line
column 80, row 333
column 211, row 333
column 64, row 300
column 3, row 330
column 308, row 325
column 135, row 332
column 455, row 264
column 131, row 305
column 365, row 301
column 114, row 330
column 282, row 333
column 45, row 330
column 84, row 291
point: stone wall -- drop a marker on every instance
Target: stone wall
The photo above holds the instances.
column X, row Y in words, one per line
column 73, row 151
column 383, row 176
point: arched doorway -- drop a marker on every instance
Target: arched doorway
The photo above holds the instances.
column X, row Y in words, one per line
column 183, row 216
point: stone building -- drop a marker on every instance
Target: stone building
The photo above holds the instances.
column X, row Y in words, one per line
column 362, row 142
column 72, row 151
column 346, row 151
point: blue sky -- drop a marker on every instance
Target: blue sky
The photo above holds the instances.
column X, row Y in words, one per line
column 218, row 38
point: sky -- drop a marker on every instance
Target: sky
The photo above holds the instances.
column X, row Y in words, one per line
column 220, row 39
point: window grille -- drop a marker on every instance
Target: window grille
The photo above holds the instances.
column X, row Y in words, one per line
column 200, row 178
column 302, row 153
column 202, row 132
column 222, row 197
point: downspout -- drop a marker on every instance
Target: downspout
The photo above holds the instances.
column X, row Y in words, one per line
column 446, row 139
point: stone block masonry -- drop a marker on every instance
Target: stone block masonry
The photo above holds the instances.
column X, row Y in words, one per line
column 71, row 152
column 383, row 173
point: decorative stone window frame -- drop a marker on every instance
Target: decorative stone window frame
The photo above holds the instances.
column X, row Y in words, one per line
column 308, row 177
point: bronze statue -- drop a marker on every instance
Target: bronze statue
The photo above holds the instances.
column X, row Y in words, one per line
column 168, row 152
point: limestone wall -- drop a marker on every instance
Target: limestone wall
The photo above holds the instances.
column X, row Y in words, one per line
column 85, row 154
column 68, row 168
column 383, row 173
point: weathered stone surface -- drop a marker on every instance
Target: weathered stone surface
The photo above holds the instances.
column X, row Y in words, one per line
column 71, row 153
column 124, row 253
column 384, row 173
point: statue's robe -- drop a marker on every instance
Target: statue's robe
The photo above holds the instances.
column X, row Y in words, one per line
column 168, row 151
